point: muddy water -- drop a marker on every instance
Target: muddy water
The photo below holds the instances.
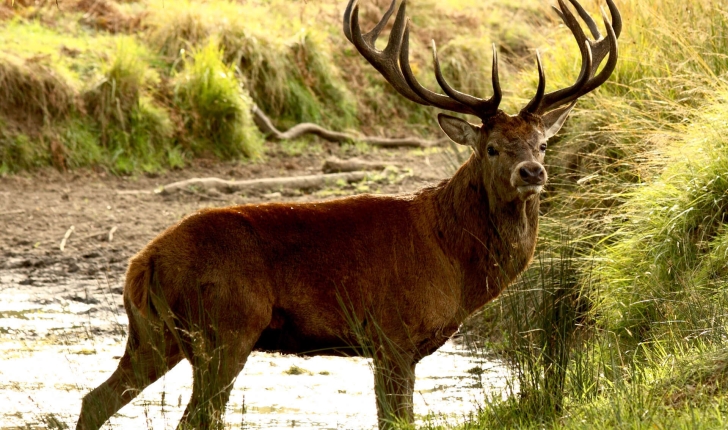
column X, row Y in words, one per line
column 61, row 337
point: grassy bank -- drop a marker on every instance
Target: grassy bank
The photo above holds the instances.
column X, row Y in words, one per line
column 148, row 85
column 621, row 321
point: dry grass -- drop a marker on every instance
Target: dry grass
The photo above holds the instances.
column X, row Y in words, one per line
column 30, row 90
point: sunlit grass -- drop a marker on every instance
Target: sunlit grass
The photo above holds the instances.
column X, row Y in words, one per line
column 638, row 178
column 216, row 112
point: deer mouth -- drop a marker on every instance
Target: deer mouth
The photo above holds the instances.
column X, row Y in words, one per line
column 530, row 189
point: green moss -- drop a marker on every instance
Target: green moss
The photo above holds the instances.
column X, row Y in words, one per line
column 286, row 65
column 75, row 55
column 134, row 130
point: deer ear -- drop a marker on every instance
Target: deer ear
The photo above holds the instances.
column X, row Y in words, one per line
column 553, row 120
column 460, row 131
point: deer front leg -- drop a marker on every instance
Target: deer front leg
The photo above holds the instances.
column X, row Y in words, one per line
column 394, row 384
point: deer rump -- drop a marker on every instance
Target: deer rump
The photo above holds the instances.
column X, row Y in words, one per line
column 343, row 277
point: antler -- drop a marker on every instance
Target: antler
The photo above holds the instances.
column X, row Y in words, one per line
column 592, row 54
column 393, row 64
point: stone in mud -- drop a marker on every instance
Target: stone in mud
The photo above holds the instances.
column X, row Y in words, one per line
column 87, row 300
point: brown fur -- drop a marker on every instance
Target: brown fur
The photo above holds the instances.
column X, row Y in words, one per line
column 391, row 277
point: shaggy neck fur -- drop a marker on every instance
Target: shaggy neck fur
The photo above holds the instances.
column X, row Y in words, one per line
column 466, row 220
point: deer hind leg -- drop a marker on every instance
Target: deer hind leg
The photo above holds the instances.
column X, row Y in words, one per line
column 394, row 384
column 213, row 373
column 219, row 345
column 150, row 352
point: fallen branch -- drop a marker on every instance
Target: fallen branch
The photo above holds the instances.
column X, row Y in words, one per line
column 336, row 165
column 265, row 184
column 92, row 235
column 16, row 212
column 266, row 126
column 133, row 192
column 65, row 237
column 108, row 235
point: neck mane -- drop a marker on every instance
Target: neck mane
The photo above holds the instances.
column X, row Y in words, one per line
column 490, row 241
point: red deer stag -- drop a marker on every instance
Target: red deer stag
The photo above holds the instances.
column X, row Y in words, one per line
column 389, row 277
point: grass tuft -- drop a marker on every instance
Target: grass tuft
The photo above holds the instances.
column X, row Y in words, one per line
column 134, row 130
column 215, row 109
column 31, row 91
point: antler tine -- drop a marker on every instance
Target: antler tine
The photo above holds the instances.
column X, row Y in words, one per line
column 386, row 61
column 534, row 106
column 347, row 20
column 495, row 78
column 593, row 53
column 584, row 15
column 601, row 47
column 393, row 64
column 371, row 37
column 483, row 108
column 587, row 19
column 433, row 98
column 611, row 62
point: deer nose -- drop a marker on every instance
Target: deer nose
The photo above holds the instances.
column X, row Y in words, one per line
column 533, row 174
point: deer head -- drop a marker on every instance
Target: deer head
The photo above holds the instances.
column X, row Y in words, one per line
column 508, row 150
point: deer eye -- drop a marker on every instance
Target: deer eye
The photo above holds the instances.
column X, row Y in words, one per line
column 542, row 147
column 492, row 151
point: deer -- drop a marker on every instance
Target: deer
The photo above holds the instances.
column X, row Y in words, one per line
column 389, row 277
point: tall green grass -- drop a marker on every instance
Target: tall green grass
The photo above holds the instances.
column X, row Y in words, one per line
column 666, row 262
column 215, row 110
column 134, row 130
column 639, row 177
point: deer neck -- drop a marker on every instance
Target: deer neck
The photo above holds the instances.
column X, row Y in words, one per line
column 491, row 242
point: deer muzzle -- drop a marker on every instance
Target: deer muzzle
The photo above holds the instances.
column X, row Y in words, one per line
column 529, row 177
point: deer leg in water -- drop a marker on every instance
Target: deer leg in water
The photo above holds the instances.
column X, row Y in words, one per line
column 149, row 354
column 394, row 384
column 214, row 373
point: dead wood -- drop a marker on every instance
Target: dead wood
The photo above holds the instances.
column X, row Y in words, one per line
column 264, row 184
column 266, row 126
column 336, row 165
column 133, row 192
column 105, row 235
column 65, row 238
column 15, row 212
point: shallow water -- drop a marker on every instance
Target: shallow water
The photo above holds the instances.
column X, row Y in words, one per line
column 62, row 339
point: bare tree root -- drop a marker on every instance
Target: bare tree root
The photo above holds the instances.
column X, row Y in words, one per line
column 264, row 184
column 266, row 126
column 335, row 165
